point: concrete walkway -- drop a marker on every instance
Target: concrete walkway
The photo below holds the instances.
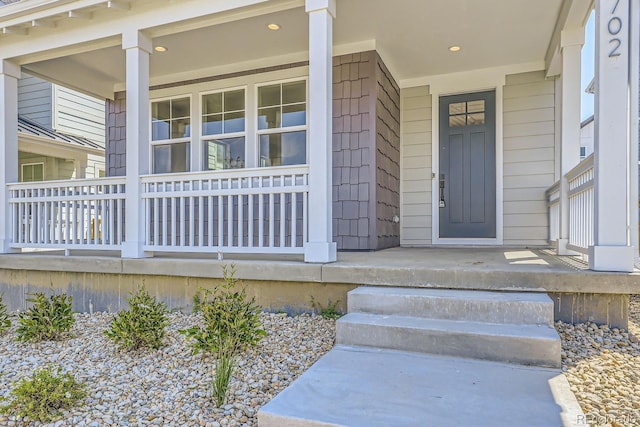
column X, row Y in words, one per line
column 353, row 386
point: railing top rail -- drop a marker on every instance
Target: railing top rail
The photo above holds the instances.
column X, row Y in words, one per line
column 580, row 168
column 227, row 174
column 68, row 183
column 553, row 189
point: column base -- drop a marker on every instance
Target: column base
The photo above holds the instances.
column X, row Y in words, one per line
column 611, row 258
column 5, row 247
column 320, row 252
column 562, row 248
column 134, row 250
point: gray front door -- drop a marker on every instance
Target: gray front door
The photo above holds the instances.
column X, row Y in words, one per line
column 467, row 193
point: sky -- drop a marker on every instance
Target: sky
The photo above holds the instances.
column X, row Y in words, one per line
column 588, row 64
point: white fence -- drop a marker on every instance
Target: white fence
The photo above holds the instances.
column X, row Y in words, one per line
column 84, row 214
column 553, row 203
column 581, row 207
column 260, row 210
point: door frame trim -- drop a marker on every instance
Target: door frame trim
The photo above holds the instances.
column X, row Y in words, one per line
column 455, row 84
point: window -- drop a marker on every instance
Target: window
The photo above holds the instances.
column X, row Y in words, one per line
column 170, row 134
column 32, row 172
column 466, row 113
column 583, row 153
column 282, row 124
column 223, row 129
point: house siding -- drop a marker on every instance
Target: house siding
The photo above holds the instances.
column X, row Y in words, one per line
column 116, row 149
column 529, row 157
column 78, row 114
column 416, row 131
column 35, row 100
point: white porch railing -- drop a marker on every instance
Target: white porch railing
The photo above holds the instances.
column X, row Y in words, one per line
column 553, row 203
column 581, row 207
column 84, row 214
column 261, row 210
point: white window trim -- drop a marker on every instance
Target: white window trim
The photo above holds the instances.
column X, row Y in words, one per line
column 204, row 138
column 281, row 130
column 188, row 139
column 33, row 164
column 250, row 82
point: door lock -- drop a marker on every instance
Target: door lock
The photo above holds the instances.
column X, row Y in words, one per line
column 443, row 204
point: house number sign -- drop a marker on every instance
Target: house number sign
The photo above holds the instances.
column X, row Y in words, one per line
column 615, row 27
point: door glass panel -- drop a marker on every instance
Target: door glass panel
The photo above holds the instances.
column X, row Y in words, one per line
column 457, row 121
column 269, row 96
column 457, row 108
column 212, row 103
column 475, row 106
column 475, row 119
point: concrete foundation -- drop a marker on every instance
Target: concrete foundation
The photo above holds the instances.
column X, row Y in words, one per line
column 603, row 309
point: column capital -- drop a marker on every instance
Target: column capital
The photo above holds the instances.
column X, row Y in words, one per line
column 572, row 37
column 9, row 68
column 136, row 39
column 318, row 5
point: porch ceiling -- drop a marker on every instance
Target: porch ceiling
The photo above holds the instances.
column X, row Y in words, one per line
column 413, row 37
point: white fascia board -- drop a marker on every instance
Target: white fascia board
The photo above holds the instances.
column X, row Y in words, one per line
column 573, row 14
column 50, row 147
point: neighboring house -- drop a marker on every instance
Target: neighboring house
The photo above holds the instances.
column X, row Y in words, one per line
column 587, row 129
column 63, row 115
column 452, row 131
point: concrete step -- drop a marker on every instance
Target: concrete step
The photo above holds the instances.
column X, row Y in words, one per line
column 367, row 387
column 477, row 306
column 537, row 345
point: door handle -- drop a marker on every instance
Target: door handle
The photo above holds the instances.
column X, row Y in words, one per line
column 443, row 204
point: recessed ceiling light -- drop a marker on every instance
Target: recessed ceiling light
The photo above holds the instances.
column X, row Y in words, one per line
column 454, row 48
column 274, row 27
column 160, row 49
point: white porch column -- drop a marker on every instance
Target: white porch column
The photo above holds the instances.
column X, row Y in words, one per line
column 9, row 75
column 571, row 43
column 137, row 47
column 320, row 246
column 612, row 250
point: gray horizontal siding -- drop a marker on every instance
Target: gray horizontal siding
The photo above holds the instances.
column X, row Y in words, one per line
column 79, row 114
column 34, row 100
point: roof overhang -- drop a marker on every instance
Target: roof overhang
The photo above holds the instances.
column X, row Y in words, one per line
column 49, row 147
column 213, row 37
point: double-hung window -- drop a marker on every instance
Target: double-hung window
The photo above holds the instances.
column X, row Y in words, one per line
column 171, row 134
column 282, row 123
column 223, row 129
column 32, row 172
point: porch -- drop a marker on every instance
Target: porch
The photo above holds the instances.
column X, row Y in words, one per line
column 286, row 282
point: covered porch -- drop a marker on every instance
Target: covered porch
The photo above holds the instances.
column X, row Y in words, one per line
column 347, row 171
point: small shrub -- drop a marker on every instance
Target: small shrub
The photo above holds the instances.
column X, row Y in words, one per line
column 5, row 321
column 143, row 325
column 44, row 395
column 329, row 312
column 47, row 318
column 231, row 325
column 231, row 320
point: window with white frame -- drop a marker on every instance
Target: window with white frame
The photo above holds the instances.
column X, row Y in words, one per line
column 32, row 172
column 223, row 129
column 282, row 123
column 171, row 134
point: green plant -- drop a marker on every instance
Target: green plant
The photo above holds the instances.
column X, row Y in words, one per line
column 143, row 325
column 44, row 395
column 231, row 319
column 329, row 312
column 46, row 319
column 231, row 325
column 197, row 303
column 5, row 321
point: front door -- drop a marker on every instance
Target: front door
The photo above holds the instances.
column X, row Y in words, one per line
column 467, row 193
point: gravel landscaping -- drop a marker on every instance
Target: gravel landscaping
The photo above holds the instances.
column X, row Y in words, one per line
column 603, row 368
column 170, row 386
